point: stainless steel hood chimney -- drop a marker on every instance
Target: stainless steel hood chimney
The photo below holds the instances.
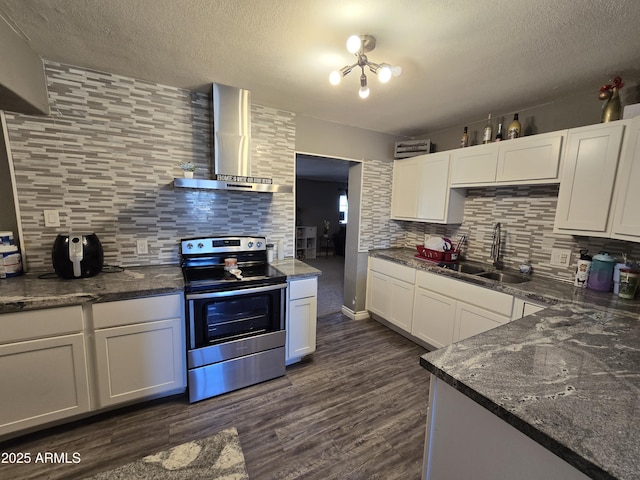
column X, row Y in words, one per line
column 232, row 146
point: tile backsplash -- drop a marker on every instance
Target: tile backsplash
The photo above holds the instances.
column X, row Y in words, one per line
column 106, row 158
column 526, row 214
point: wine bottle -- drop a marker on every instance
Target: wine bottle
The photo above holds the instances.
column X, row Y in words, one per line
column 488, row 131
column 499, row 134
column 514, row 128
column 464, row 141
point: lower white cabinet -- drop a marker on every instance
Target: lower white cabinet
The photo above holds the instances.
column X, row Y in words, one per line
column 390, row 292
column 302, row 315
column 447, row 310
column 522, row 308
column 140, row 348
column 42, row 379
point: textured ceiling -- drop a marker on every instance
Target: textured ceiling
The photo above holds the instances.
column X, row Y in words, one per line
column 461, row 58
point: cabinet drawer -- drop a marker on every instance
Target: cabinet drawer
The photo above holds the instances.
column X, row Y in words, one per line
column 40, row 323
column 393, row 270
column 491, row 300
column 139, row 310
column 303, row 288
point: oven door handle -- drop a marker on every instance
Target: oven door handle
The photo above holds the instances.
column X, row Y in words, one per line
column 235, row 293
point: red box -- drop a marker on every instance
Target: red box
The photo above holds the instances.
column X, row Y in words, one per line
column 436, row 256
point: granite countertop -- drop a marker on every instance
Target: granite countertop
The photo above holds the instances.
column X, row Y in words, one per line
column 567, row 376
column 29, row 291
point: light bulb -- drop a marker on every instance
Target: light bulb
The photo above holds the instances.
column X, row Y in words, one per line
column 353, row 44
column 384, row 73
column 363, row 92
column 397, row 71
column 335, row 77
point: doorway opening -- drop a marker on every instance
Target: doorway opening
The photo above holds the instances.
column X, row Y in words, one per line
column 323, row 205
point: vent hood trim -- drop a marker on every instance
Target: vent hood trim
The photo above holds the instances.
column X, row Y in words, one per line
column 231, row 142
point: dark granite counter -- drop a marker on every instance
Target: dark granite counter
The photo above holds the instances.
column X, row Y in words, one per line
column 568, row 376
column 29, row 291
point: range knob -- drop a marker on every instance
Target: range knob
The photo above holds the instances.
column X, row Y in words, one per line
column 200, row 245
column 259, row 244
column 250, row 244
column 189, row 245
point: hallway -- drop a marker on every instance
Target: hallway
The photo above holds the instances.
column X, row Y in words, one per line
column 330, row 283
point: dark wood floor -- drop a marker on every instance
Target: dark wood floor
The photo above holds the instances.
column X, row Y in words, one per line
column 356, row 410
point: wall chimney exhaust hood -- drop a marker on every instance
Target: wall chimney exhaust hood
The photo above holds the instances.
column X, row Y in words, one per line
column 232, row 146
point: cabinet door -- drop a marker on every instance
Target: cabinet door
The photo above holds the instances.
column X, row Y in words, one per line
column 433, row 318
column 401, row 304
column 586, row 184
column 626, row 223
column 42, row 380
column 405, row 190
column 141, row 360
column 301, row 329
column 378, row 293
column 530, row 159
column 471, row 320
column 434, row 188
column 474, row 165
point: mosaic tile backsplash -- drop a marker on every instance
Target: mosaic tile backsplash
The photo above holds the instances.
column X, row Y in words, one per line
column 106, row 158
column 526, row 214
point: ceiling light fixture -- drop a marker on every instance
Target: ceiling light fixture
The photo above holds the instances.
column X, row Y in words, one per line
column 360, row 45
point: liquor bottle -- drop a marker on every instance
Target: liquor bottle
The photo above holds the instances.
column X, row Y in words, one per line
column 488, row 131
column 514, row 128
column 499, row 134
column 464, row 141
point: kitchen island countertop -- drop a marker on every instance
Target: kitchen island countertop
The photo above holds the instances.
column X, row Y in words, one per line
column 568, row 376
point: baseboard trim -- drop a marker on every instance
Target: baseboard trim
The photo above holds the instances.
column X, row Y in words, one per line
column 362, row 315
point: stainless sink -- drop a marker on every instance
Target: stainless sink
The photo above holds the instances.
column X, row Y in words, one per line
column 504, row 277
column 470, row 269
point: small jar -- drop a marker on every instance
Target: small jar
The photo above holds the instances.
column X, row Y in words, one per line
column 628, row 283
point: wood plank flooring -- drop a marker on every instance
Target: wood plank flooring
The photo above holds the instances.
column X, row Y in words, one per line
column 355, row 410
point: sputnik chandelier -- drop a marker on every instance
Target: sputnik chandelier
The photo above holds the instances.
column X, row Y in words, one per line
column 360, row 45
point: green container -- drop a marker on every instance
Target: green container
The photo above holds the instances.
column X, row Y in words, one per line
column 628, row 283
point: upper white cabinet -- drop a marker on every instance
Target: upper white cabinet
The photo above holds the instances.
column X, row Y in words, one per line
column 421, row 192
column 523, row 161
column 587, row 181
column 475, row 165
column 626, row 219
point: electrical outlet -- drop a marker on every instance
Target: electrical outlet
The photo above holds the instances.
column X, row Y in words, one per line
column 142, row 246
column 51, row 218
column 560, row 257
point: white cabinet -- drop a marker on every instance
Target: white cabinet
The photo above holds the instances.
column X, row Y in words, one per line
column 447, row 310
column 523, row 161
column 434, row 318
column 140, row 348
column 390, row 290
column 587, row 181
column 475, row 165
column 302, row 313
column 306, row 242
column 43, row 367
column 522, row 308
column 626, row 220
column 420, row 190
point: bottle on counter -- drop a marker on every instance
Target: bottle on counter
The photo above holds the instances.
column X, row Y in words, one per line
column 499, row 134
column 514, row 128
column 464, row 140
column 488, row 131
column 582, row 269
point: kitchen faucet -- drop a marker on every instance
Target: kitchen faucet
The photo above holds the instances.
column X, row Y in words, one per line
column 495, row 246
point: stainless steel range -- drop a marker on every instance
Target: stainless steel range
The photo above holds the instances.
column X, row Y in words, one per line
column 235, row 310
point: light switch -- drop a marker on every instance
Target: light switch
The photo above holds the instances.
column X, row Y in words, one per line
column 560, row 257
column 141, row 246
column 51, row 218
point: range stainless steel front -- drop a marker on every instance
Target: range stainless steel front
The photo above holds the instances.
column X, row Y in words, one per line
column 235, row 325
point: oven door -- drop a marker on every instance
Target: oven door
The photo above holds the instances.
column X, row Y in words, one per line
column 225, row 316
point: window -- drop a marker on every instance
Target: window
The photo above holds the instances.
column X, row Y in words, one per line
column 343, row 208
